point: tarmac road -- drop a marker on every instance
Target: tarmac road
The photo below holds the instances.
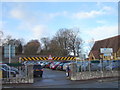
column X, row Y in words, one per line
column 57, row 79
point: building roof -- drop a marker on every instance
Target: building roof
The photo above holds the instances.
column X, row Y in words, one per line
column 113, row 42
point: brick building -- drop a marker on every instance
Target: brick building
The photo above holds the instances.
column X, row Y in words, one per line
column 113, row 42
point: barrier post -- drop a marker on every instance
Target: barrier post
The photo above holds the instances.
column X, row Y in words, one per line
column 73, row 68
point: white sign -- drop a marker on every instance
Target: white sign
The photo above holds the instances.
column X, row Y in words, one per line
column 107, row 54
column 118, row 57
column 77, row 58
column 50, row 57
column 9, row 50
column 106, row 50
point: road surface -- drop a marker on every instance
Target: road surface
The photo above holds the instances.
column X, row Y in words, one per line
column 57, row 79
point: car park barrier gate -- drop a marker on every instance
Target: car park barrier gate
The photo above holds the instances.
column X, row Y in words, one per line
column 45, row 58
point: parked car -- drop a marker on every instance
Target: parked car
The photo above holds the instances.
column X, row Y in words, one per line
column 103, row 64
column 60, row 66
column 79, row 63
column 11, row 69
column 114, row 65
column 15, row 69
column 38, row 70
column 84, row 66
column 28, row 62
column 65, row 65
column 7, row 73
column 54, row 66
column 43, row 64
column 94, row 66
column 47, row 64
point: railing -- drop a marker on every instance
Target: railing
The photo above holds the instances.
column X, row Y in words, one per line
column 25, row 75
column 78, row 74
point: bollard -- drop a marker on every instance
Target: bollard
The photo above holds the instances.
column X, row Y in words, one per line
column 30, row 74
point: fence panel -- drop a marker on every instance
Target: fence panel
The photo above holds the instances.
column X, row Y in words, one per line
column 78, row 73
column 24, row 75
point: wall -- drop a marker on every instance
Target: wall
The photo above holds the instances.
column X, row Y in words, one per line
column 91, row 74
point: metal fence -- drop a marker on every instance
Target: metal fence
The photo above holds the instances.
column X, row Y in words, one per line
column 25, row 75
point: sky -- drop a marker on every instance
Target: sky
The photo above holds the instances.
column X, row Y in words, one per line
column 34, row 20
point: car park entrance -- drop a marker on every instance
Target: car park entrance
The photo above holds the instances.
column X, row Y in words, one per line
column 26, row 72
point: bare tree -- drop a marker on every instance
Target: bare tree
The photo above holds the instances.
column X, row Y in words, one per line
column 67, row 39
column 45, row 41
column 7, row 39
column 79, row 43
column 65, row 42
column 90, row 44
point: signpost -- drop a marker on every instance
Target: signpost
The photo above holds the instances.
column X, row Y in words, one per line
column 9, row 51
column 106, row 52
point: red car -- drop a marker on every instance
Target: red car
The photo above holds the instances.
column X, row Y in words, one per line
column 47, row 65
column 54, row 66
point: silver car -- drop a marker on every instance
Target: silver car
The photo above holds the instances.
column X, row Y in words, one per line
column 65, row 65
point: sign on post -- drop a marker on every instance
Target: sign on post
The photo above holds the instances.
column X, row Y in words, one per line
column 50, row 57
column 107, row 54
column 106, row 50
column 9, row 51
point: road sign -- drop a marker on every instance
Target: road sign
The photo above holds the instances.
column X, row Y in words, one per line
column 107, row 54
column 9, row 51
column 77, row 58
column 106, row 50
column 50, row 57
column 119, row 58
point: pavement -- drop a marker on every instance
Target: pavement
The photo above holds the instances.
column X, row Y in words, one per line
column 42, row 83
